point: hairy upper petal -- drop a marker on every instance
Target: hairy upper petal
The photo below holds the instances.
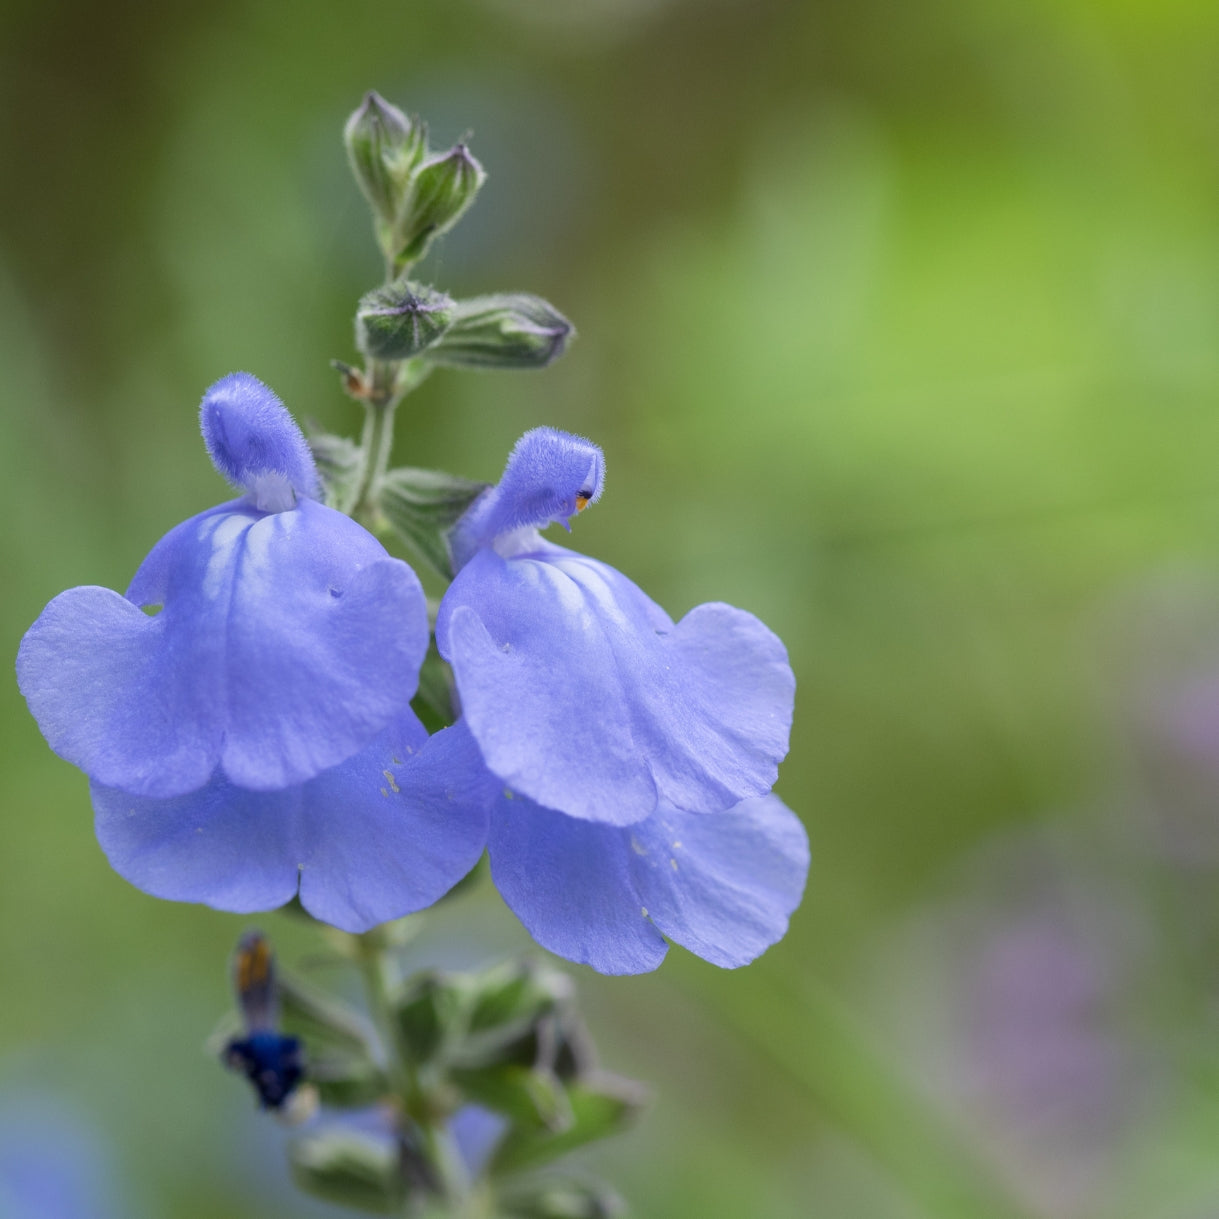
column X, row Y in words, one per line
column 283, row 644
column 584, row 695
column 255, row 443
column 569, row 882
column 381, row 835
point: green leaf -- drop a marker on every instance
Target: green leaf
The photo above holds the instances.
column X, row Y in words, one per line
column 421, row 506
column 533, row 1100
column 350, row 1167
column 339, row 464
column 515, row 989
column 321, row 1020
column 341, row 1053
column 600, row 1105
column 428, row 1011
column 515, row 1018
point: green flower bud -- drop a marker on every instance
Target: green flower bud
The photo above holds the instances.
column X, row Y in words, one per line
column 401, row 320
column 507, row 330
column 441, row 190
column 383, row 146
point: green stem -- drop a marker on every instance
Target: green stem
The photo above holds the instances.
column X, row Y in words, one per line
column 376, row 442
column 435, row 1141
column 390, row 383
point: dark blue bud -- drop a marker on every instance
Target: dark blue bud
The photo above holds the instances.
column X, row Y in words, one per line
column 272, row 1063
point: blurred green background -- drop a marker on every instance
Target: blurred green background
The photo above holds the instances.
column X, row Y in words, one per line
column 900, row 328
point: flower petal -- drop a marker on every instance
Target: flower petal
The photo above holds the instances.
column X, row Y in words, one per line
column 341, row 660
column 381, row 835
column 584, row 696
column 286, row 642
column 722, row 885
column 550, row 476
column 569, row 882
column 93, row 670
column 227, row 847
column 254, row 442
column 388, row 836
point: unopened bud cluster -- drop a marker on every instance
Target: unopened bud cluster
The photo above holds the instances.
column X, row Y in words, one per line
column 416, row 195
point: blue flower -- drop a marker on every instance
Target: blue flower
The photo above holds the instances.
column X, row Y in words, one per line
column 243, row 713
column 634, row 756
column 581, row 692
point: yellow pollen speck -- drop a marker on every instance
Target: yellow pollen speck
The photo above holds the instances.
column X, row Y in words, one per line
column 389, row 778
column 636, row 847
column 677, row 846
column 644, row 911
column 508, row 794
column 674, row 863
column 385, row 792
column 581, row 502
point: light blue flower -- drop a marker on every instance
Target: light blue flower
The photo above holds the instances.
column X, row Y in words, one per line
column 284, row 638
column 244, row 712
column 581, row 692
column 634, row 756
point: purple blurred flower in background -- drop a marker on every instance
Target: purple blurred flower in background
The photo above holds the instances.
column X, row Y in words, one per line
column 1169, row 704
column 1016, row 1010
column 243, row 713
column 634, row 755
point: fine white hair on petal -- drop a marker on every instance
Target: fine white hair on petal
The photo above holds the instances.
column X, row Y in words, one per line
column 254, row 442
column 272, row 492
